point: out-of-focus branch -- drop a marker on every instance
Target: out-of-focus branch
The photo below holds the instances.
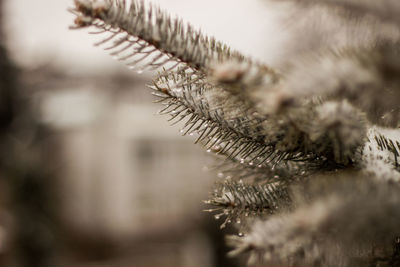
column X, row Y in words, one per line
column 336, row 222
column 386, row 10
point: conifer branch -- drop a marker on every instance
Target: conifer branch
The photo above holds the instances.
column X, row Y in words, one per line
column 367, row 78
column 227, row 124
column 222, row 120
column 227, row 116
column 285, row 172
column 349, row 222
column 385, row 10
column 237, row 201
column 151, row 34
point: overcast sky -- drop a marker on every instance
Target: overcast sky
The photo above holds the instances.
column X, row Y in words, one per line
column 38, row 30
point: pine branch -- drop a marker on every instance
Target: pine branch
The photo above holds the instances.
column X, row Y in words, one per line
column 367, row 78
column 151, row 34
column 228, row 117
column 385, row 10
column 222, row 120
column 351, row 222
column 227, row 125
column 237, row 201
column 286, row 171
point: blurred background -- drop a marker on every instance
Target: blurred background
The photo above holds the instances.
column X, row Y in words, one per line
column 89, row 175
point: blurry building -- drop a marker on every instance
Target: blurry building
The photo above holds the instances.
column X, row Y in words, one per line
column 131, row 186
